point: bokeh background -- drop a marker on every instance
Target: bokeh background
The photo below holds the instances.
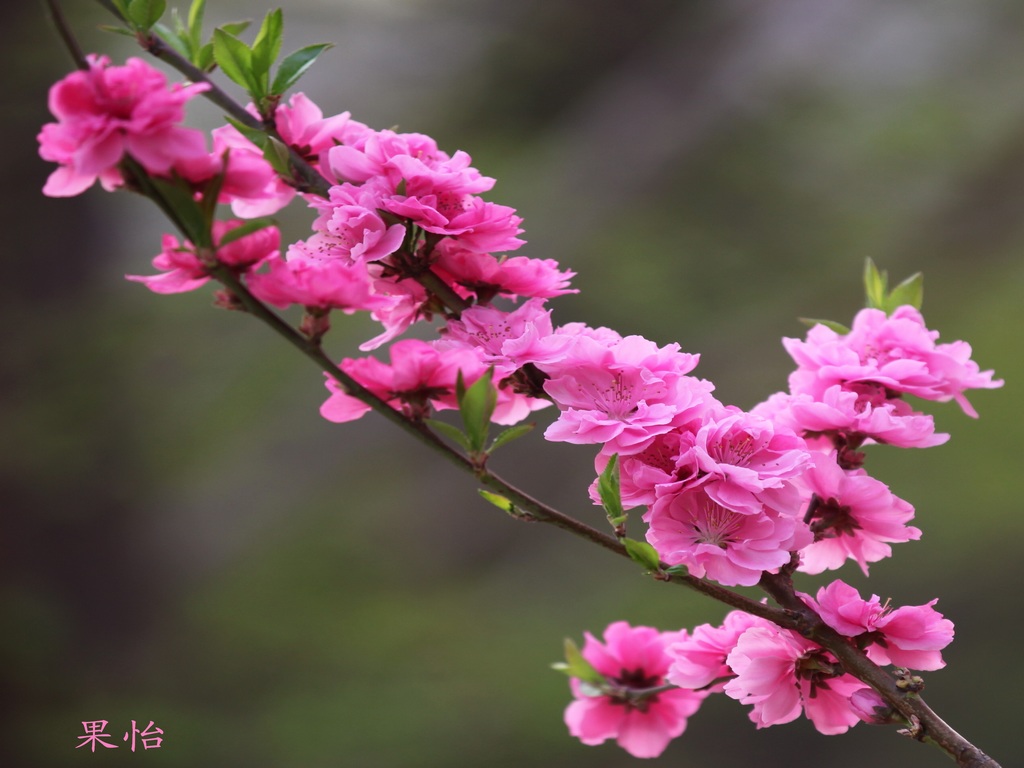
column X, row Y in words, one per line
column 185, row 540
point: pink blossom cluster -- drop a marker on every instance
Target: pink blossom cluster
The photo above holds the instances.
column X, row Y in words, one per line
column 730, row 495
column 777, row 672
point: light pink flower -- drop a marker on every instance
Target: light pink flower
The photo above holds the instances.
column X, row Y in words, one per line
column 896, row 352
column 689, row 528
column 698, row 659
column 631, row 659
column 350, row 227
column 858, row 412
column 184, row 271
column 911, row 636
column 856, row 517
column 106, row 112
column 781, row 674
column 507, row 340
column 624, row 393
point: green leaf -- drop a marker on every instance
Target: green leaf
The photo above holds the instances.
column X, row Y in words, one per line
column 122, row 8
column 250, row 226
column 499, row 501
column 256, row 135
column 608, row 489
column 453, row 433
column 276, row 153
column 236, row 27
column 643, row 553
column 176, row 41
column 195, row 24
column 839, row 328
column 176, row 198
column 116, row 30
column 875, row 284
column 294, row 66
column 234, row 57
column 577, row 666
column 204, row 58
column 510, row 434
column 267, row 46
column 910, row 291
column 476, row 407
column 145, row 13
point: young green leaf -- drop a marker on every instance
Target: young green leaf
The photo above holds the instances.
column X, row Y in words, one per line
column 174, row 39
column 255, row 135
column 145, row 13
column 454, row 434
column 195, row 24
column 510, row 434
column 498, row 500
column 875, row 285
column 910, row 291
column 839, row 328
column 250, row 226
column 267, row 46
column 122, row 7
column 294, row 66
column 476, row 407
column 608, row 490
column 236, row 27
column 643, row 553
column 577, row 666
column 234, row 57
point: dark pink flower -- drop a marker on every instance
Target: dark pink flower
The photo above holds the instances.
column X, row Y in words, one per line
column 183, row 270
column 106, row 112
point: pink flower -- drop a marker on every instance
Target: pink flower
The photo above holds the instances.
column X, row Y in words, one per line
column 895, row 352
column 631, row 659
column 698, row 660
column 419, row 380
column 350, row 226
column 745, row 461
column 303, row 126
column 689, row 528
column 183, row 270
column 626, row 392
column 856, row 517
column 506, row 340
column 487, row 276
column 911, row 636
column 106, row 112
column 857, row 413
column 781, row 674
column 316, row 283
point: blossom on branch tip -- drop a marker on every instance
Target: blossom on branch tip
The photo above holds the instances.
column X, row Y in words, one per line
column 896, row 352
column 107, row 112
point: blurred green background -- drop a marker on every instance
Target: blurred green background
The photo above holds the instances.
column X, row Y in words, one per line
column 186, row 541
